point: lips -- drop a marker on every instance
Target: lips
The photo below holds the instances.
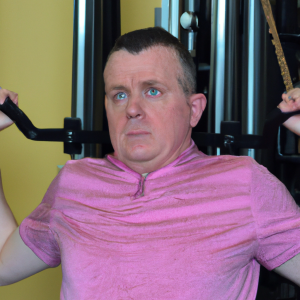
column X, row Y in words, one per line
column 137, row 132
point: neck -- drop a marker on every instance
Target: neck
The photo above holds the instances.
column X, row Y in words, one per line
column 152, row 165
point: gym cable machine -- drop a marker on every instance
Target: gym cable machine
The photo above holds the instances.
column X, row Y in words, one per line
column 230, row 140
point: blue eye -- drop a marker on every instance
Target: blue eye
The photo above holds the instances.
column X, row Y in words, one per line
column 153, row 92
column 121, row 96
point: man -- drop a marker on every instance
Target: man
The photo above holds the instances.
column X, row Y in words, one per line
column 157, row 219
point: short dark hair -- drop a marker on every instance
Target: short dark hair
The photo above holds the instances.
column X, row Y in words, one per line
column 136, row 41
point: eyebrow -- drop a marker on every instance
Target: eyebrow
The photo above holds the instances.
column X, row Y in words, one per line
column 118, row 87
column 144, row 83
column 151, row 82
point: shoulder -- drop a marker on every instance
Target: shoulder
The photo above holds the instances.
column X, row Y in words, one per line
column 89, row 172
column 225, row 163
column 223, row 171
column 247, row 168
column 87, row 166
column 78, row 171
column 243, row 163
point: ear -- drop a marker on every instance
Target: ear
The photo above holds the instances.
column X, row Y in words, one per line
column 197, row 103
column 105, row 102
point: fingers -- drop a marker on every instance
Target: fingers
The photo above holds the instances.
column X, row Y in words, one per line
column 4, row 93
column 293, row 95
column 5, row 121
column 291, row 101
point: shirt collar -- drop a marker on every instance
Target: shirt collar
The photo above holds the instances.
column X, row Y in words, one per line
column 188, row 154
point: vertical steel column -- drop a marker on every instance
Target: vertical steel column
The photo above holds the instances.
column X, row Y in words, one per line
column 252, row 70
column 232, row 63
column 165, row 8
column 191, row 34
column 174, row 17
column 80, row 58
column 79, row 61
column 220, row 64
column 212, row 81
column 217, row 74
column 225, row 66
column 96, row 27
column 189, row 24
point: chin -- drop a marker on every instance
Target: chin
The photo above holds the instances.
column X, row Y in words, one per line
column 140, row 154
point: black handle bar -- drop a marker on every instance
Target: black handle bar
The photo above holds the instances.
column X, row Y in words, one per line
column 52, row 134
column 72, row 133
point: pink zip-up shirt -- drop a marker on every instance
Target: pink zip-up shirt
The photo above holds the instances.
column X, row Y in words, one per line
column 195, row 229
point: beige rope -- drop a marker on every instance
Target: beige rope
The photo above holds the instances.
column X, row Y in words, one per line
column 276, row 42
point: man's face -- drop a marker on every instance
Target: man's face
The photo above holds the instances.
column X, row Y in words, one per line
column 149, row 117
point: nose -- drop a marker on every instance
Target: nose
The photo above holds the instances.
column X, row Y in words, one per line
column 134, row 109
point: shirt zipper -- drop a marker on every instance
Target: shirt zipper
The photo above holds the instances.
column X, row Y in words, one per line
column 140, row 192
column 144, row 176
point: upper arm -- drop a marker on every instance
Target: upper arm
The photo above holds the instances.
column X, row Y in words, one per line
column 18, row 261
column 290, row 269
column 293, row 124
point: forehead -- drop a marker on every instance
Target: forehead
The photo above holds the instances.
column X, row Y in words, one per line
column 157, row 63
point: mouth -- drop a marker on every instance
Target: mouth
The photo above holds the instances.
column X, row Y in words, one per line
column 137, row 133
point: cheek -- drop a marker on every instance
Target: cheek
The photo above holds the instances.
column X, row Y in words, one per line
column 181, row 115
column 115, row 125
column 173, row 122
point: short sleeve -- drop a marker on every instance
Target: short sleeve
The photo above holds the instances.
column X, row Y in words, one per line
column 35, row 230
column 277, row 219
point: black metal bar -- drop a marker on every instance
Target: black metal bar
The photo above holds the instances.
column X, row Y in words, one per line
column 67, row 135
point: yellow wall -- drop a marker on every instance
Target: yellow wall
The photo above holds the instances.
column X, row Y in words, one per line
column 36, row 62
column 137, row 14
